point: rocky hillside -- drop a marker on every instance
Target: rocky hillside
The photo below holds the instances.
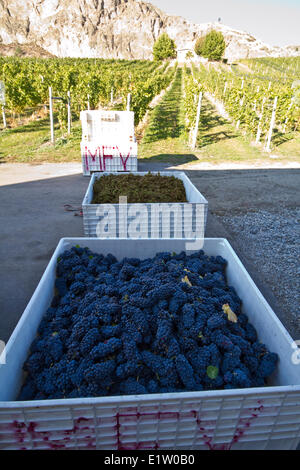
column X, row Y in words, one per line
column 23, row 50
column 124, row 29
column 293, row 50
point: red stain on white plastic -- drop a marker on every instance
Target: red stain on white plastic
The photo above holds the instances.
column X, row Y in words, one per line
column 106, row 157
column 124, row 162
column 243, row 425
column 68, row 438
column 93, row 156
column 105, row 153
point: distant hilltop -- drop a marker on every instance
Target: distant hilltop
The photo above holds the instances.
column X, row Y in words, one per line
column 118, row 29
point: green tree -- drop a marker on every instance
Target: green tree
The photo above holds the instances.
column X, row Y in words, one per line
column 164, row 48
column 212, row 46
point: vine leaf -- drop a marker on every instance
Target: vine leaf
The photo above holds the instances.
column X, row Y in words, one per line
column 231, row 315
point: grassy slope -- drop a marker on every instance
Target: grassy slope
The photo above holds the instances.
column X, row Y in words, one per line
column 165, row 137
column 219, row 141
column 31, row 143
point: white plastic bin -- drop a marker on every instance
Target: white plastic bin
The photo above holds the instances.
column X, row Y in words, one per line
column 258, row 418
column 108, row 141
column 166, row 220
column 107, row 125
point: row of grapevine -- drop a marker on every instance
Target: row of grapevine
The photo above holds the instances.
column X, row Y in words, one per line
column 283, row 69
column 143, row 89
column 27, row 80
column 192, row 88
column 90, row 81
column 250, row 100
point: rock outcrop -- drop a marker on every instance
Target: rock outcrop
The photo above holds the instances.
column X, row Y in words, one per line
column 23, row 50
column 123, row 29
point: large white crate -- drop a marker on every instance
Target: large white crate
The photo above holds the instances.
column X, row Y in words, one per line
column 106, row 126
column 258, row 418
column 108, row 141
column 177, row 220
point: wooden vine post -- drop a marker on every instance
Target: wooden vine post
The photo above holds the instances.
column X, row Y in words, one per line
column 258, row 134
column 268, row 146
column 69, row 112
column 128, row 101
column 51, row 99
column 51, row 115
column 197, row 122
column 4, row 117
column 2, row 102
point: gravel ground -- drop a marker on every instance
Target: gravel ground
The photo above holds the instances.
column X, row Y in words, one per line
column 272, row 243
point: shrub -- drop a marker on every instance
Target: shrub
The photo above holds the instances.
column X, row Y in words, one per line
column 212, row 46
column 164, row 48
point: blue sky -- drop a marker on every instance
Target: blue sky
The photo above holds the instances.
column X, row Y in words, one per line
column 277, row 22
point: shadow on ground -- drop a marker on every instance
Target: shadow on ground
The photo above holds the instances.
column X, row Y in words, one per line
column 165, row 120
column 279, row 138
column 34, row 126
column 165, row 160
column 211, row 120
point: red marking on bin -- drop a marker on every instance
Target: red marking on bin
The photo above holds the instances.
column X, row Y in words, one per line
column 22, row 430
